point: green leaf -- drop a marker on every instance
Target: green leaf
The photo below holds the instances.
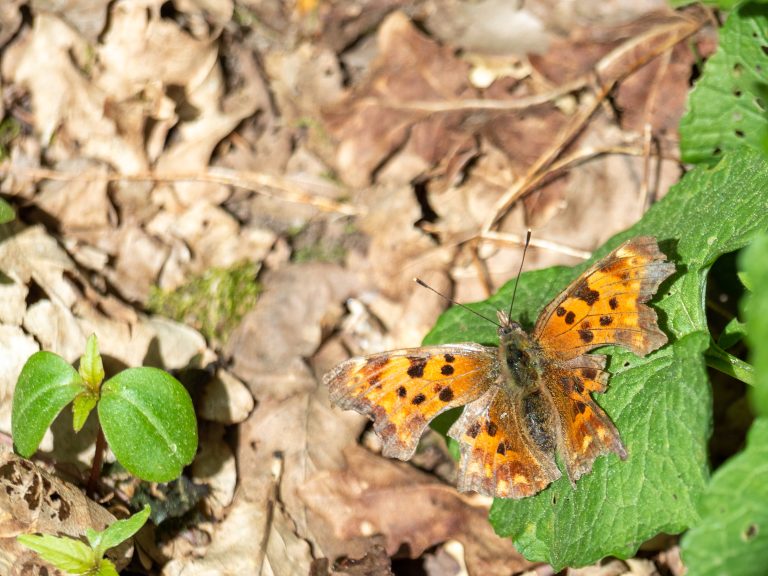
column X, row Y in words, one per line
column 732, row 334
column 746, row 280
column 63, row 552
column 46, row 384
column 732, row 537
column 661, row 404
column 729, row 364
column 149, row 422
column 727, row 108
column 91, row 366
column 118, row 531
column 106, row 568
column 81, row 407
column 755, row 261
column 6, row 212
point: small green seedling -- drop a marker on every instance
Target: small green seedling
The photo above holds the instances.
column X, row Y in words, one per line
column 6, row 212
column 146, row 415
column 76, row 557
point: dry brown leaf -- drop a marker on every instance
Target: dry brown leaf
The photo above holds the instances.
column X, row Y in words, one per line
column 225, row 399
column 10, row 20
column 372, row 124
column 255, row 538
column 269, row 347
column 484, row 27
column 49, row 60
column 374, row 495
column 215, row 466
column 35, row 501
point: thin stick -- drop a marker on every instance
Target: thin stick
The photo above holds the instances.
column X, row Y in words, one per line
column 609, row 72
column 257, row 182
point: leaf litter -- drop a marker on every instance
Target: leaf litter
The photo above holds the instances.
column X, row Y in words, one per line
column 335, row 150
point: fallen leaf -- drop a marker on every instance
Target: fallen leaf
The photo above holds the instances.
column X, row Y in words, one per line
column 34, row 501
column 375, row 495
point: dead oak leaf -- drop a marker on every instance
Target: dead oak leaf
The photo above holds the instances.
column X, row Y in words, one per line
column 386, row 115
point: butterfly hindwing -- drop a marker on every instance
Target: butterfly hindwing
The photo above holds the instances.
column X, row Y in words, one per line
column 586, row 432
column 507, row 445
column 403, row 390
column 606, row 304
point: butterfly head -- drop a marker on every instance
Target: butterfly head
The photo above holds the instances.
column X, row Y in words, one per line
column 507, row 327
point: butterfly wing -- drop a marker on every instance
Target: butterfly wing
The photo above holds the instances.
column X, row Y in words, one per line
column 507, row 444
column 585, row 431
column 402, row 390
column 606, row 304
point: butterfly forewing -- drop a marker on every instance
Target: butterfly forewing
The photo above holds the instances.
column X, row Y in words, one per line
column 605, row 305
column 403, row 390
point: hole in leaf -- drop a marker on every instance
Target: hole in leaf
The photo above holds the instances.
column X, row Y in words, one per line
column 764, row 49
column 626, row 364
column 737, row 69
column 717, row 151
column 737, row 93
column 759, row 103
column 739, row 134
column 750, row 532
column 738, row 116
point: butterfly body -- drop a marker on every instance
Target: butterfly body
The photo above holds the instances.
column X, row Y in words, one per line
column 529, row 398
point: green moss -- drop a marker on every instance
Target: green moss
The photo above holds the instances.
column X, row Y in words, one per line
column 213, row 302
column 321, row 253
column 9, row 131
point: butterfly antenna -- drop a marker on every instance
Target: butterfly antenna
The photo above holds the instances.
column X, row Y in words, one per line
column 420, row 282
column 517, row 280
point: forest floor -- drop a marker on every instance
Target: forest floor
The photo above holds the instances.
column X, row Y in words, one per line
column 272, row 176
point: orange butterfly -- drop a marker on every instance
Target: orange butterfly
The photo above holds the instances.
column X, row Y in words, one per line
column 529, row 397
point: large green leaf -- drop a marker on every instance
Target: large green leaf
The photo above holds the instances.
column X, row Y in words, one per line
column 46, row 384
column 661, row 404
column 754, row 261
column 728, row 107
column 149, row 422
column 732, row 537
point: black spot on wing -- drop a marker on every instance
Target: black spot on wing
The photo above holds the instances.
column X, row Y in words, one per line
column 585, row 293
column 416, row 369
column 586, row 336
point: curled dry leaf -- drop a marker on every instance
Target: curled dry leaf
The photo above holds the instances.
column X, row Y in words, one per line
column 35, row 501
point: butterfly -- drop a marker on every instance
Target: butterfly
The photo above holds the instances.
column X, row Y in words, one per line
column 527, row 399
